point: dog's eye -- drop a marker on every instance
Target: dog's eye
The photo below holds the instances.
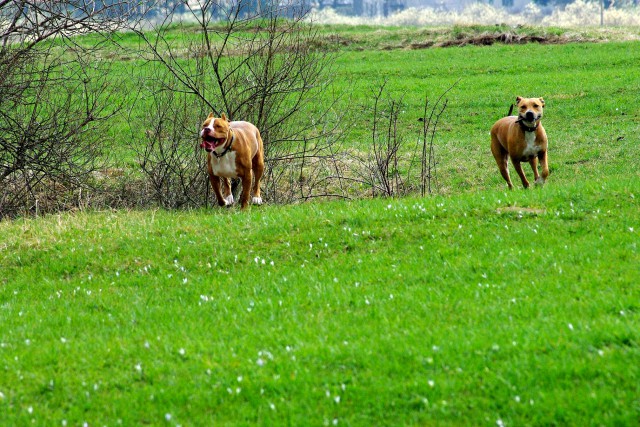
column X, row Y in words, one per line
column 535, row 106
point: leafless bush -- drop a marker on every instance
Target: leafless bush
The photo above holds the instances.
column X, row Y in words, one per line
column 168, row 150
column 430, row 120
column 54, row 101
column 385, row 143
column 388, row 168
column 252, row 65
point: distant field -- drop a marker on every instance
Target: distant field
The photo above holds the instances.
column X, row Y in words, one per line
column 476, row 306
column 589, row 88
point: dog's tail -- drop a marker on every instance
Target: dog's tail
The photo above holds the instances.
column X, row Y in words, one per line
column 510, row 110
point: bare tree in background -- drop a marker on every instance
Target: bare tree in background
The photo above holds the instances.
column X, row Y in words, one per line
column 54, row 97
column 241, row 58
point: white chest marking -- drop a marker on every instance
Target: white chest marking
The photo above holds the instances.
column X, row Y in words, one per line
column 225, row 166
column 531, row 149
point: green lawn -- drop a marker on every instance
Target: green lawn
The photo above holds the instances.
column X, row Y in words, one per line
column 520, row 307
column 476, row 306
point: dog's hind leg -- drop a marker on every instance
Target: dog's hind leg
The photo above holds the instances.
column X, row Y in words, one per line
column 502, row 159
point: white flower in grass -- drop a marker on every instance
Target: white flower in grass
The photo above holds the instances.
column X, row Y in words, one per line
column 138, row 367
column 272, row 406
column 167, row 417
column 500, row 423
column 336, row 399
column 182, row 352
column 431, row 383
column 570, row 326
column 260, row 361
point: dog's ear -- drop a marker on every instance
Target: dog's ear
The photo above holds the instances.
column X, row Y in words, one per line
column 518, row 99
column 541, row 101
column 224, row 117
column 210, row 116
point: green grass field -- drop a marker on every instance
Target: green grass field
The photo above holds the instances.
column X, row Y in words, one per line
column 476, row 306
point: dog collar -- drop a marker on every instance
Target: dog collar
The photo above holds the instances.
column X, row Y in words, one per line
column 525, row 127
column 233, row 136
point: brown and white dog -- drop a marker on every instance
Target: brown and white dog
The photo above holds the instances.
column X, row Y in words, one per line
column 235, row 151
column 522, row 138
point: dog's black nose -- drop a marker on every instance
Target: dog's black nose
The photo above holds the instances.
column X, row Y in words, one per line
column 529, row 116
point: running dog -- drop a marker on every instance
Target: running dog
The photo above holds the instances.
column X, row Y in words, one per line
column 522, row 138
column 235, row 151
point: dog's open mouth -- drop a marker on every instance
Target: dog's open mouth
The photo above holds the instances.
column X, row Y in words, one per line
column 529, row 118
column 209, row 143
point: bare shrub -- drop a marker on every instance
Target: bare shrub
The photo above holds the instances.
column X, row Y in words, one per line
column 250, row 64
column 168, row 151
column 430, row 119
column 391, row 167
column 381, row 162
column 55, row 100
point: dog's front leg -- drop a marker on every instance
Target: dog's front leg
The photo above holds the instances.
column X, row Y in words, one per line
column 545, row 168
column 226, row 191
column 215, row 185
column 246, row 189
column 523, row 178
column 534, row 167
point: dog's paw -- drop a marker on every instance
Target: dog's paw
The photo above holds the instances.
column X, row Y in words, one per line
column 540, row 182
column 256, row 200
column 229, row 200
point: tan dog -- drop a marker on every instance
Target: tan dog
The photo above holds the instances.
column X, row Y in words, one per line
column 235, row 151
column 522, row 138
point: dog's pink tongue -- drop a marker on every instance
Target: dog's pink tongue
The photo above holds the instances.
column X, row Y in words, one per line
column 207, row 145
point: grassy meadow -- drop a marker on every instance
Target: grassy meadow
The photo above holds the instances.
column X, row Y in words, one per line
column 474, row 306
